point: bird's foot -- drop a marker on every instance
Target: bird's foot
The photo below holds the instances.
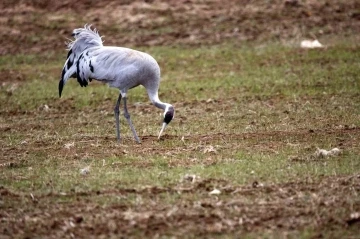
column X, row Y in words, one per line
column 137, row 139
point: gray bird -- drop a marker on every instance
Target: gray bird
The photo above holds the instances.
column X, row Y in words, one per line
column 119, row 67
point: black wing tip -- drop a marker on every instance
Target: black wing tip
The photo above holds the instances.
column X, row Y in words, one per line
column 61, row 86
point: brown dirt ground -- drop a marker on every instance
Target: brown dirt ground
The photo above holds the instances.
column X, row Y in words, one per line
column 37, row 25
column 285, row 208
column 279, row 207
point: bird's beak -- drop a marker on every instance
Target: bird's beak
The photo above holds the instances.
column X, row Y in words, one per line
column 162, row 129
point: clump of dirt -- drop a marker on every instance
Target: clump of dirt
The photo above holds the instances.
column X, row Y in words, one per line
column 39, row 25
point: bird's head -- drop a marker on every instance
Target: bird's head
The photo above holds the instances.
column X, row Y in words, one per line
column 168, row 116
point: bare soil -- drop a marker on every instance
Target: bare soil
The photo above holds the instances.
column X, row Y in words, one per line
column 36, row 26
column 280, row 208
column 31, row 26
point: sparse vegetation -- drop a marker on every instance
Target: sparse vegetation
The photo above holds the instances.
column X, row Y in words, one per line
column 249, row 118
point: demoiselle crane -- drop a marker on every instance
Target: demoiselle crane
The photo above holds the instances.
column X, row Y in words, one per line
column 119, row 67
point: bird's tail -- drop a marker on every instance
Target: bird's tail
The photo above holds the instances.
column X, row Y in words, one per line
column 84, row 38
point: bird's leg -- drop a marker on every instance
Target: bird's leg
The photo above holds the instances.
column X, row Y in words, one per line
column 127, row 116
column 117, row 113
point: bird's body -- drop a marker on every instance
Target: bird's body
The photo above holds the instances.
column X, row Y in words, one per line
column 120, row 67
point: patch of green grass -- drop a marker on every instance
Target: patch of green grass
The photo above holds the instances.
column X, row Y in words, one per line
column 243, row 114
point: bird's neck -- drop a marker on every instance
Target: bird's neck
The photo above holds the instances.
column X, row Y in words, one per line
column 159, row 104
column 162, row 105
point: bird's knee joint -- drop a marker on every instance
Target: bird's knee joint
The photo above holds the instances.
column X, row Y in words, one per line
column 116, row 110
column 127, row 115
